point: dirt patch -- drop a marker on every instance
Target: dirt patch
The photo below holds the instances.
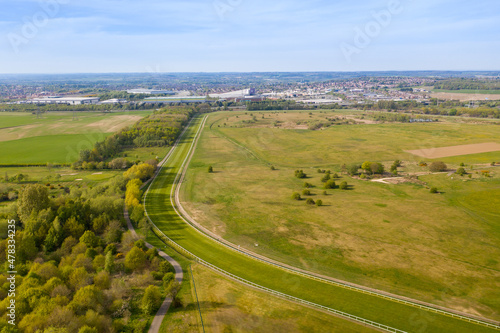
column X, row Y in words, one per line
column 114, row 124
column 433, row 153
column 465, row 97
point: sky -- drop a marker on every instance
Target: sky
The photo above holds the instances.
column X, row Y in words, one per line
column 111, row 36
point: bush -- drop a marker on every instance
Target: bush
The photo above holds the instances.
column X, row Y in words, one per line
column 461, row 171
column 210, row 169
column 434, row 190
column 273, row 168
column 438, row 167
column 343, row 186
column 330, row 184
column 308, row 185
column 296, row 196
column 300, row 174
column 306, row 192
column 319, row 203
column 151, row 300
column 310, row 201
column 326, row 178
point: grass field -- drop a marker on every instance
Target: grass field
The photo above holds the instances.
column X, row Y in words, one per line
column 366, row 306
column 346, row 144
column 362, row 235
column 56, row 137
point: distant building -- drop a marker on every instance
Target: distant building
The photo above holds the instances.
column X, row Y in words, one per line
column 64, row 100
column 172, row 100
column 235, row 94
column 151, row 92
column 114, row 101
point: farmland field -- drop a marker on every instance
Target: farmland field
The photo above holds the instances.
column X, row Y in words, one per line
column 399, row 238
column 56, row 137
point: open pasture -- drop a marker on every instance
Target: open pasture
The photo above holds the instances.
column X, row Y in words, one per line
column 441, row 248
column 56, row 137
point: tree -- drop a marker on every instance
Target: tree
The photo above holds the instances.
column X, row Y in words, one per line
column 133, row 193
column 353, row 169
column 326, row 178
column 89, row 297
column 87, row 329
column 89, row 239
column 109, row 265
column 438, row 167
column 306, row 192
column 273, row 168
column 135, row 259
column 151, row 300
column 307, row 185
column 343, row 186
column 142, row 171
column 461, row 171
column 330, row 184
column 310, row 201
column 367, row 167
column 210, row 169
column 296, row 196
column 434, row 190
column 377, row 168
column 34, row 198
column 319, row 203
column 300, row 174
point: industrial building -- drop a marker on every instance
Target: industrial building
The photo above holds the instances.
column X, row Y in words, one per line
column 151, row 92
column 64, row 100
column 172, row 100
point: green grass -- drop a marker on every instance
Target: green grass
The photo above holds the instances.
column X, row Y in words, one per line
column 360, row 235
column 56, row 138
column 347, row 144
column 369, row 307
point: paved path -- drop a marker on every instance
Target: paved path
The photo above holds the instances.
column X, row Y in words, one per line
column 179, row 275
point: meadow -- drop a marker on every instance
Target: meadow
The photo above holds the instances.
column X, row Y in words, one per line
column 398, row 238
column 56, row 137
column 367, row 306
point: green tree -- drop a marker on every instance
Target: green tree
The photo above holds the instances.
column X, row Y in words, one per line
column 330, row 184
column 343, row 186
column 88, row 297
column 33, row 198
column 89, row 239
column 135, row 259
column 306, row 192
column 151, row 300
column 300, row 174
column 310, row 201
column 438, row 167
column 434, row 190
column 367, row 167
column 461, row 171
column 210, row 169
column 87, row 329
column 353, row 169
column 296, row 196
column 326, row 178
column 319, row 203
column 109, row 265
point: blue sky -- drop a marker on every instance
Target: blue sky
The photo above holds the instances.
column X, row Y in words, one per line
column 69, row 36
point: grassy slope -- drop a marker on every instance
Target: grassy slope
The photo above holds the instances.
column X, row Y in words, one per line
column 469, row 91
column 393, row 314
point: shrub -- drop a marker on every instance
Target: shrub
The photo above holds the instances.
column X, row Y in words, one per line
column 308, row 185
column 306, row 192
column 461, row 171
column 273, row 168
column 343, row 186
column 319, row 203
column 210, row 169
column 326, row 178
column 438, row 167
column 310, row 201
column 300, row 174
column 330, row 184
column 434, row 190
column 325, row 193
column 151, row 300
column 296, row 196
column 493, row 163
